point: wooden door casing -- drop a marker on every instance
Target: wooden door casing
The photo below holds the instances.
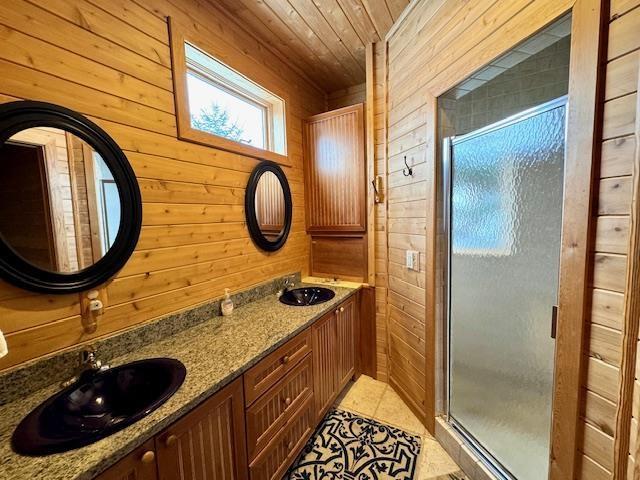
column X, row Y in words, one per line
column 325, row 363
column 335, row 171
column 209, row 442
column 138, row 465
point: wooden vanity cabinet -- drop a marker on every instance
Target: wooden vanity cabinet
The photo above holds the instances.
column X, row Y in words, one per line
column 138, row 465
column 257, row 425
column 208, row 442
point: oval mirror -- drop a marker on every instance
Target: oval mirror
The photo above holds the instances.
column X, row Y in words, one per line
column 71, row 209
column 268, row 206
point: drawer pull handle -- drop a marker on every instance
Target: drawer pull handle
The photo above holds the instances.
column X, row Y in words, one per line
column 337, row 310
column 287, row 401
column 342, row 309
column 290, row 445
column 171, row 440
column 285, row 359
column 148, row 457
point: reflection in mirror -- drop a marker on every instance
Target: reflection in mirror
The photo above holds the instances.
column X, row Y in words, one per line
column 270, row 206
column 60, row 204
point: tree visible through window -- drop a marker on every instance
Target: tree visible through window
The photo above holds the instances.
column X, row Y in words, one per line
column 225, row 103
column 214, row 119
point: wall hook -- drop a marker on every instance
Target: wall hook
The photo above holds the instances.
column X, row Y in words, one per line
column 375, row 189
column 408, row 171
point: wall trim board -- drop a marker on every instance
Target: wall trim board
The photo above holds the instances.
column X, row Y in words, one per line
column 584, row 125
column 631, row 328
column 369, row 124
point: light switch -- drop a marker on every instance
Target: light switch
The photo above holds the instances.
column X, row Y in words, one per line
column 413, row 260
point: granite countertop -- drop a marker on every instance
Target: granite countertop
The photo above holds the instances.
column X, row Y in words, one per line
column 214, row 352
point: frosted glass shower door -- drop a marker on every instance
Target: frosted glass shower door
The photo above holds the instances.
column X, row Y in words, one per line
column 505, row 193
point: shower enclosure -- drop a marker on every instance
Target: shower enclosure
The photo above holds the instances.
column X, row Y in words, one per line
column 503, row 199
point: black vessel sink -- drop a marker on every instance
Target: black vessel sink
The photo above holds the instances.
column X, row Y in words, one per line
column 301, row 297
column 97, row 405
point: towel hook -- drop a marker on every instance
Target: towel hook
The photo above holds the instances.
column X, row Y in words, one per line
column 408, row 171
column 374, row 183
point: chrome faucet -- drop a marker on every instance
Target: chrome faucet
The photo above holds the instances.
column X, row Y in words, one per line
column 289, row 283
column 89, row 363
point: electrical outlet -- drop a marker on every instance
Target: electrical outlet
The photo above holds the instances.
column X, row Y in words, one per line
column 412, row 260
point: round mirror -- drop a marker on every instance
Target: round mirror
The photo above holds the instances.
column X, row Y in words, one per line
column 71, row 209
column 268, row 206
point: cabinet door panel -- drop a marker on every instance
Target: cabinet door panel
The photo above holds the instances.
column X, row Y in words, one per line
column 347, row 330
column 138, row 465
column 207, row 443
column 325, row 363
column 335, row 171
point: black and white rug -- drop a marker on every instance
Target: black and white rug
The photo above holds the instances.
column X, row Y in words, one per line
column 346, row 446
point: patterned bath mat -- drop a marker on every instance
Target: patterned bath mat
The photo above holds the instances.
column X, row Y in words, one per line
column 346, row 446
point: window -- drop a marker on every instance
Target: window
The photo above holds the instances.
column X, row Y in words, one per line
column 218, row 106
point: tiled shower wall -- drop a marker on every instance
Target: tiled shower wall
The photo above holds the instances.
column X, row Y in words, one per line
column 537, row 79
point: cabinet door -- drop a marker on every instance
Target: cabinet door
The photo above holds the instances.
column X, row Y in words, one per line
column 325, row 363
column 346, row 325
column 138, row 465
column 209, row 442
column 335, row 171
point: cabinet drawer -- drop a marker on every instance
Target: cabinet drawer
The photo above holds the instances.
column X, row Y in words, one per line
column 277, row 457
column 270, row 412
column 274, row 366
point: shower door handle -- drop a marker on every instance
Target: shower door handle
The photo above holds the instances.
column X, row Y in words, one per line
column 554, row 321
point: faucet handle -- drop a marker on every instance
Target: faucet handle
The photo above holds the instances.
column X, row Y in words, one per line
column 88, row 354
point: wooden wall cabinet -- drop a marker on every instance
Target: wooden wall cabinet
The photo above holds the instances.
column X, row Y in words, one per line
column 335, row 171
column 335, row 186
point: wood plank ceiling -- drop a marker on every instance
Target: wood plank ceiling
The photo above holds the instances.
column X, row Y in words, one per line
column 325, row 39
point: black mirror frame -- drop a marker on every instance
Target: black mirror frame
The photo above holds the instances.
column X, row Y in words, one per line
column 250, row 206
column 21, row 115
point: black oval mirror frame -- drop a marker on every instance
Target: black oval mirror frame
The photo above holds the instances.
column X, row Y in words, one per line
column 250, row 206
column 21, row 115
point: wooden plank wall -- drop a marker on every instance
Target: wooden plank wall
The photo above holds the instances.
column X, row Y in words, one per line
column 109, row 59
column 435, row 46
column 346, row 97
column 604, row 347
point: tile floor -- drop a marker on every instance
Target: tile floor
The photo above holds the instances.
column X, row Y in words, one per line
column 377, row 400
